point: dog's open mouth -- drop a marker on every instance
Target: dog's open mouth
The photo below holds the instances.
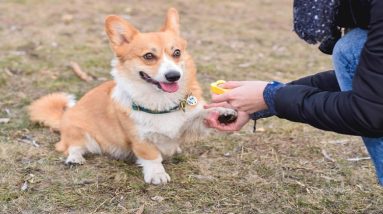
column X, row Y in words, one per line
column 169, row 87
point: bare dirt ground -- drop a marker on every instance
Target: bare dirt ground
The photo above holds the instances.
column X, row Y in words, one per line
column 283, row 168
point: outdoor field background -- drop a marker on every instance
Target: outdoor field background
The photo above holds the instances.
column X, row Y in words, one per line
column 283, row 168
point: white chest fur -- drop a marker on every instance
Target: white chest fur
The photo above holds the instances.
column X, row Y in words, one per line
column 164, row 130
column 170, row 125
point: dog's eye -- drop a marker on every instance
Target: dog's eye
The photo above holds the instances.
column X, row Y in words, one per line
column 149, row 56
column 177, row 53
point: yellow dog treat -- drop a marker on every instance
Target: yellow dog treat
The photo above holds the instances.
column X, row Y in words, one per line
column 214, row 87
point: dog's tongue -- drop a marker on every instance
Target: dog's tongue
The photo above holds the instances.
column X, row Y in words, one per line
column 169, row 87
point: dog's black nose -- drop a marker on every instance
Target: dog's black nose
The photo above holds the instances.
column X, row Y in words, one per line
column 172, row 76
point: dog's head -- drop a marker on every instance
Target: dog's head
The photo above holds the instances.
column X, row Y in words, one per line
column 153, row 61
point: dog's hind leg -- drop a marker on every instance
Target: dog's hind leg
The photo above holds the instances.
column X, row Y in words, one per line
column 74, row 142
column 75, row 155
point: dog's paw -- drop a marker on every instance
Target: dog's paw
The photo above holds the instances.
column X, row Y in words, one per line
column 226, row 115
column 75, row 159
column 160, row 177
column 154, row 171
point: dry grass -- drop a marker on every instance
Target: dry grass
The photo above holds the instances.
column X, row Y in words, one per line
column 279, row 170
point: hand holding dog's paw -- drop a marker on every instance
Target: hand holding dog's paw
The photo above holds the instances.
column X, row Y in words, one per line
column 226, row 119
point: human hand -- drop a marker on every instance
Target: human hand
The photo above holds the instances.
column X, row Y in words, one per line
column 212, row 121
column 245, row 96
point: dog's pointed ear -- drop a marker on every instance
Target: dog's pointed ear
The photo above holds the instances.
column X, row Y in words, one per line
column 119, row 30
column 172, row 21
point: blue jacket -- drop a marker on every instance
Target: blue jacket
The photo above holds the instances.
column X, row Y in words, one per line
column 318, row 101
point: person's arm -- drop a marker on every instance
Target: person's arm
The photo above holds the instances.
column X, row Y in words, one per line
column 357, row 112
column 326, row 81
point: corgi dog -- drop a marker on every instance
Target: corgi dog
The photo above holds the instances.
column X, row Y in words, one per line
column 153, row 104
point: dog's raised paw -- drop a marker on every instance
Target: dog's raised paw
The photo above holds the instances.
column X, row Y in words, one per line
column 227, row 115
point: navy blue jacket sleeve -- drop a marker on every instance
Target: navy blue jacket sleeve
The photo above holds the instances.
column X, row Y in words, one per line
column 326, row 81
column 356, row 112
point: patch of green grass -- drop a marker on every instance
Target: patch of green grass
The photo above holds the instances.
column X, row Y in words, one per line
column 96, row 63
column 18, row 1
column 3, row 79
column 7, row 196
column 207, row 69
column 10, row 62
column 18, row 123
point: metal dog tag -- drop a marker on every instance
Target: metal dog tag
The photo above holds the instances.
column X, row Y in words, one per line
column 191, row 100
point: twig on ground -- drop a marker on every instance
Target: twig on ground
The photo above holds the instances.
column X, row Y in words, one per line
column 358, row 159
column 122, row 207
column 8, row 72
column 327, row 156
column 29, row 140
column 300, row 184
column 98, row 207
column 80, row 73
column 341, row 141
column 202, row 177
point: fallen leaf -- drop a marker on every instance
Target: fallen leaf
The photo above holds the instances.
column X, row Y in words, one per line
column 102, row 78
column 188, row 204
column 8, row 111
column 128, row 10
column 245, row 65
column 204, row 155
column 140, row 209
column 4, row 120
column 260, row 129
column 157, row 198
column 67, row 18
column 203, row 177
column 24, row 187
column 31, row 178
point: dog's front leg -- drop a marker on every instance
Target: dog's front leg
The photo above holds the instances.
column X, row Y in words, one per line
column 150, row 159
column 195, row 128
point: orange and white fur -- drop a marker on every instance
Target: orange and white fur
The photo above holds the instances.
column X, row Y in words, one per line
column 154, row 71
